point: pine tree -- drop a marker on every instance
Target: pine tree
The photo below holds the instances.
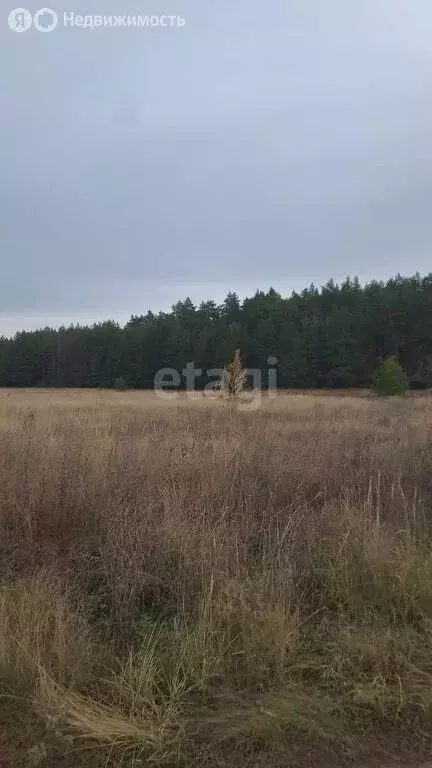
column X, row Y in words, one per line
column 234, row 381
column 390, row 378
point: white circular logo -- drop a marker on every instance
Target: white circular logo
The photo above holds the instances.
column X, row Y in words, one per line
column 20, row 20
column 45, row 20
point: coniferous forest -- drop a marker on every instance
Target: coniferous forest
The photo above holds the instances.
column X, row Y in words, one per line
column 329, row 337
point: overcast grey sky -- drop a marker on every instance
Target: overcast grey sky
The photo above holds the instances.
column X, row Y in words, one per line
column 262, row 143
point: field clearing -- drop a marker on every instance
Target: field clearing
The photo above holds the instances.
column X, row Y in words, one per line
column 69, row 397
column 188, row 584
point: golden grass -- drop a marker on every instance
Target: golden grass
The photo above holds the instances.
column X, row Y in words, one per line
column 42, row 625
column 179, row 577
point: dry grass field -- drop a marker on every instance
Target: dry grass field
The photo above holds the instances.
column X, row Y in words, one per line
column 182, row 583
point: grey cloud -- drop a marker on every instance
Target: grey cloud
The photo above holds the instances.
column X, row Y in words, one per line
column 260, row 144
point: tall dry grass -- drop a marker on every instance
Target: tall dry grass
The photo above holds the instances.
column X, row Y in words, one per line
column 187, row 583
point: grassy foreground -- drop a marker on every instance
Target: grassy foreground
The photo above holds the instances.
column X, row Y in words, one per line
column 186, row 584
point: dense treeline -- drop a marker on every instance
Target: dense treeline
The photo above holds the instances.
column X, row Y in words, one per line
column 328, row 337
